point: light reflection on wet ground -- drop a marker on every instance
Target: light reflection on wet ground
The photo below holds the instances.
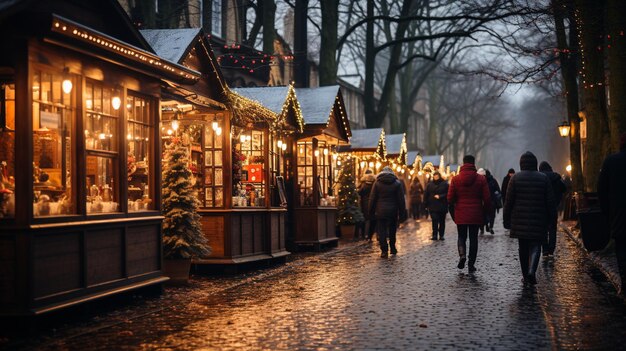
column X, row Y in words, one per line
column 352, row 299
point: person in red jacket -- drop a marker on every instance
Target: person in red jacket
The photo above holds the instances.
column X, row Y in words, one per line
column 469, row 196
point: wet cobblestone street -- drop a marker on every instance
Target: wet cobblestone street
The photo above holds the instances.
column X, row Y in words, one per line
column 351, row 299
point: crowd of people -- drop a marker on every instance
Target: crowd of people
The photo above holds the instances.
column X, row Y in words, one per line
column 529, row 200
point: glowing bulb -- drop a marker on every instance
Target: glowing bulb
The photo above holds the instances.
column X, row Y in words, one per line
column 242, row 138
column 129, row 136
column 362, row 164
column 170, row 132
column 89, row 104
column 248, row 137
column 317, row 153
column 378, row 164
column 67, row 86
column 325, row 152
column 399, row 168
column 214, row 125
column 568, row 168
column 335, row 156
column 175, row 125
column 116, row 102
column 102, row 136
column 411, row 172
column 419, row 173
column 284, row 147
column 218, row 131
column 338, row 163
column 279, row 143
column 371, row 164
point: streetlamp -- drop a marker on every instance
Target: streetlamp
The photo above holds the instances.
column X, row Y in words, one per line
column 564, row 129
column 568, row 168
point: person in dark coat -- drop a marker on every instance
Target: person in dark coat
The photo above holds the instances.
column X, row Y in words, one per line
column 528, row 210
column 364, row 190
column 612, row 195
column 469, row 196
column 505, row 183
column 496, row 201
column 435, row 200
column 386, row 205
column 415, row 195
column 558, row 188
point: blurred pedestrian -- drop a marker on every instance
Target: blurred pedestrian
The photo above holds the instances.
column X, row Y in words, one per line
column 496, row 201
column 612, row 193
column 366, row 228
column 505, row 183
column 415, row 194
column 469, row 196
column 387, row 205
column 481, row 228
column 558, row 188
column 435, row 200
column 528, row 210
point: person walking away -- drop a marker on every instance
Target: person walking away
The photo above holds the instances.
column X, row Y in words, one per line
column 558, row 188
column 415, row 194
column 435, row 200
column 505, row 183
column 496, row 200
column 469, row 195
column 364, row 190
column 528, row 209
column 612, row 194
column 481, row 228
column 386, row 205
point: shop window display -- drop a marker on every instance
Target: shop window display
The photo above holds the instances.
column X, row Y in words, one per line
column 250, row 190
column 139, row 128
column 102, row 113
column 53, row 146
column 7, row 150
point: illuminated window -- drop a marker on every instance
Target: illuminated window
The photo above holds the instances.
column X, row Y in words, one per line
column 7, row 150
column 139, row 131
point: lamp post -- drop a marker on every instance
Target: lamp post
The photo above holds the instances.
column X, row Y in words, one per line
column 564, row 129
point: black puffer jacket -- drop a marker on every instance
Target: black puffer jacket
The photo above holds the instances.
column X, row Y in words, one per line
column 387, row 197
column 364, row 190
column 612, row 192
column 529, row 202
column 436, row 187
column 558, row 186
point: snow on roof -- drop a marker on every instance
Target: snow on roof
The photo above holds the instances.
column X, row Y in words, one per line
column 316, row 103
column 170, row 44
column 365, row 138
column 434, row 159
column 272, row 98
column 394, row 143
column 411, row 157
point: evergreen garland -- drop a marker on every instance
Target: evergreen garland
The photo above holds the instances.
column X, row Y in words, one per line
column 182, row 230
column 349, row 211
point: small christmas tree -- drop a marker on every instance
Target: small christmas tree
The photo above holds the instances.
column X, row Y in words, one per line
column 182, row 230
column 349, row 211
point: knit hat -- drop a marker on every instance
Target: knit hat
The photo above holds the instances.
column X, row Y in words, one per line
column 545, row 167
column 528, row 162
column 511, row 170
column 387, row 169
column 481, row 171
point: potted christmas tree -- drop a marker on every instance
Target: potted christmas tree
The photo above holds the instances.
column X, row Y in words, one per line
column 348, row 209
column 182, row 231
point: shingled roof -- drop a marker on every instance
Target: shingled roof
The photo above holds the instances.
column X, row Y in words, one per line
column 273, row 98
column 171, row 44
column 317, row 103
column 394, row 143
column 412, row 157
column 365, row 138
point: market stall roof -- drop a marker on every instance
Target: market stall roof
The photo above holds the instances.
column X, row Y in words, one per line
column 413, row 157
column 324, row 108
column 171, row 44
column 453, row 167
column 279, row 100
column 435, row 160
column 367, row 140
column 191, row 48
column 396, row 144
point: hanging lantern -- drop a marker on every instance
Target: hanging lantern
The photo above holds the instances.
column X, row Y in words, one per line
column 175, row 125
column 564, row 129
column 218, row 131
column 116, row 102
column 66, row 85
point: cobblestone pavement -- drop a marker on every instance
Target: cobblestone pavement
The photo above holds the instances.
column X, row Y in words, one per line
column 352, row 299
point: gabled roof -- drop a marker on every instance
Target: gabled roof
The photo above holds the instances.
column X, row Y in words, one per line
column 317, row 103
column 366, row 138
column 273, row 98
column 434, row 159
column 395, row 143
column 412, row 157
column 171, row 44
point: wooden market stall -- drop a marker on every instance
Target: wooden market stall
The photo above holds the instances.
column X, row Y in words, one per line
column 326, row 127
column 369, row 148
column 235, row 154
column 397, row 156
column 80, row 101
